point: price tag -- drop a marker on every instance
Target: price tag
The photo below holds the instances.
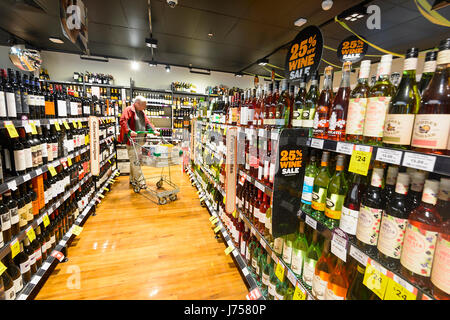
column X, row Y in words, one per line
column 228, row 250
column 358, row 255
column 35, row 280
column 26, row 177
column 2, row 268
column 343, row 147
column 389, row 156
column 419, row 161
column 339, row 244
column 11, row 129
column 76, row 230
column 299, row 293
column 317, row 143
column 30, row 233
column 214, row 221
column 212, row 218
column 15, row 248
column 79, row 124
column 360, row 160
column 12, row 185
column 105, row 188
column 217, row 229
column 86, row 140
column 52, row 170
column 66, row 125
column 274, row 134
column 254, row 294
column 262, row 133
column 399, row 289
column 74, row 124
column 58, row 255
column 33, row 127
column 375, row 278
column 311, row 222
column 101, row 196
column 259, row 186
column 69, row 161
column 202, row 198
column 291, row 276
column 224, row 200
column 57, row 127
column 263, row 243
column 234, row 213
column 45, row 220
column 279, row 271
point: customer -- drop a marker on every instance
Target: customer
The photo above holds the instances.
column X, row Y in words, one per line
column 133, row 119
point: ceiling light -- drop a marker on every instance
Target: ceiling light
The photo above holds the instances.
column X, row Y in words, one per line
column 210, row 34
column 134, row 65
column 263, row 61
column 299, row 22
column 151, row 43
column 327, row 4
column 348, row 18
column 238, row 74
column 356, row 12
column 55, row 40
column 167, row 68
column 360, row 16
column 353, row 19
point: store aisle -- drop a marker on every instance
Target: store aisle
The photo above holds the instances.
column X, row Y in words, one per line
column 136, row 249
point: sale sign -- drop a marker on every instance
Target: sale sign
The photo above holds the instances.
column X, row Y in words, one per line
column 304, row 53
column 352, row 49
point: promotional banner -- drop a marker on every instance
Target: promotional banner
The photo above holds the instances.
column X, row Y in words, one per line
column 292, row 156
column 231, row 170
column 94, row 132
column 304, row 54
column 74, row 22
column 352, row 49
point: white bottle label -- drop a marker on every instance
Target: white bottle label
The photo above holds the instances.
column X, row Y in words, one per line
column 441, row 265
column 308, row 271
column 18, row 284
column 392, row 231
column 287, row 253
column 11, row 104
column 398, row 129
column 297, row 261
column 377, row 108
column 349, row 220
column 431, row 131
column 2, row 104
column 272, row 291
column 62, row 108
column 25, row 267
column 19, row 160
column 10, row 294
column 318, row 287
column 265, row 279
column 368, row 225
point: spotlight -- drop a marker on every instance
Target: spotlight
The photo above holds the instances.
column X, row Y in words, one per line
column 353, row 14
column 299, row 22
column 151, row 43
column 134, row 65
column 327, row 4
column 167, row 68
column 55, row 40
column 263, row 61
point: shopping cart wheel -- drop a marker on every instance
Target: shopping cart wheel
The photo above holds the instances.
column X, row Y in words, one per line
column 162, row 200
column 159, row 184
column 137, row 189
column 173, row 197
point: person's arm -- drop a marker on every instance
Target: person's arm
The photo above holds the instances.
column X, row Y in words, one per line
column 124, row 123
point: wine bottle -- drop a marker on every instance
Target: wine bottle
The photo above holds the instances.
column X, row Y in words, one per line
column 440, row 279
column 323, row 269
column 5, row 219
column 336, row 192
column 321, row 116
column 267, row 271
column 414, row 196
column 8, row 285
column 350, row 209
column 377, row 105
column 288, row 244
column 15, row 273
column 403, row 106
column 393, row 224
column 443, row 202
column 338, row 282
column 309, row 263
column 11, row 203
column 299, row 104
column 10, row 97
column 311, row 103
column 370, row 212
column 280, row 290
column 28, row 250
column 272, row 284
column 311, row 172
column 428, row 71
column 23, row 261
column 339, row 109
column 3, row 108
column 391, row 178
column 422, row 229
column 432, row 124
column 319, row 193
column 357, row 290
column 299, row 249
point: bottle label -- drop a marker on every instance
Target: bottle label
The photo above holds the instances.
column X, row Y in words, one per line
column 6, row 221
column 2, row 104
column 32, row 259
column 14, row 212
column 38, row 254
column 265, row 279
column 368, row 225
column 266, row 169
column 18, row 284
column 441, row 265
column 320, row 283
column 278, row 296
column 410, row 64
column 431, row 131
column 377, row 108
column 272, row 172
column 429, row 66
column 443, row 57
column 335, row 292
column 308, row 184
column 398, row 129
column 25, row 266
column 334, row 206
column 254, row 262
column 272, row 291
column 257, row 268
column 297, row 261
column 278, row 245
column 24, row 102
column 19, row 160
column 247, row 255
column 268, row 225
column 23, row 215
column 319, row 199
column 244, row 115
column 349, row 220
column 11, row 104
column 418, row 250
column 392, row 231
column 336, row 125
column 62, row 108
column 28, row 153
column 287, row 253
column 44, row 150
column 243, row 246
column 308, row 271
column 10, row 294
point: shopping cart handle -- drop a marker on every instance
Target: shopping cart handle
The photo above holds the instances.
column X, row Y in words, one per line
column 149, row 131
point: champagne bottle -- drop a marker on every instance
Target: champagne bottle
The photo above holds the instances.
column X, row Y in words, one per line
column 319, row 194
column 336, row 192
column 403, row 106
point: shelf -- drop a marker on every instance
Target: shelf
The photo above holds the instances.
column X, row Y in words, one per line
column 158, row 105
column 73, row 83
column 160, row 117
column 359, row 254
column 189, row 93
column 423, row 161
column 12, row 183
column 39, row 122
column 238, row 259
column 151, row 90
column 37, row 281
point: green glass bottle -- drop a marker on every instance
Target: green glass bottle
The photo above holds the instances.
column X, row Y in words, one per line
column 319, row 194
column 299, row 249
column 280, row 290
column 311, row 172
column 299, row 104
column 255, row 256
column 310, row 104
column 289, row 293
column 428, row 71
column 267, row 271
column 272, row 284
column 357, row 290
column 404, row 105
column 287, row 248
column 377, row 106
column 260, row 265
column 309, row 263
column 336, row 192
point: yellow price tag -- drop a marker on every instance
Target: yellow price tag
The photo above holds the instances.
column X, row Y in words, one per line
column 76, row 230
column 224, row 199
column 360, row 160
column 375, row 278
column 52, row 170
column 109, row 160
column 279, row 271
column 225, row 131
column 2, row 268
column 217, row 229
column 66, row 125
column 212, row 218
column 33, row 127
column 15, row 248
column 106, row 189
column 228, row 250
column 57, row 127
column 101, row 196
column 202, row 198
column 398, row 289
column 214, row 221
column 299, row 294
column 234, row 213
column 45, row 220
column 86, row 139
column 69, row 161
column 79, row 124
column 11, row 130
column 74, row 124
column 30, row 234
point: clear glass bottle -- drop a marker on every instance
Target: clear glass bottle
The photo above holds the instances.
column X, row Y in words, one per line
column 321, row 116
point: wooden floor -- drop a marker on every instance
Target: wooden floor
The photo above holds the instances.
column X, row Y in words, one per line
column 136, row 249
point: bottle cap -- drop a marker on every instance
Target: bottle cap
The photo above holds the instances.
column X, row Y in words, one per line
column 444, row 45
column 431, row 56
column 412, row 53
column 365, row 64
column 430, row 191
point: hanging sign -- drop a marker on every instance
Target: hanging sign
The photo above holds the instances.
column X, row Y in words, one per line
column 95, row 145
column 304, row 54
column 74, row 22
column 351, row 49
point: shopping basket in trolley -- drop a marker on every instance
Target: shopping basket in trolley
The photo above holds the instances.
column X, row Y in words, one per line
column 161, row 155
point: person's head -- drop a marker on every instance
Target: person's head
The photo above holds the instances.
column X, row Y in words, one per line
column 140, row 103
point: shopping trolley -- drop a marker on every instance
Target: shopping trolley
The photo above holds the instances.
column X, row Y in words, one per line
column 161, row 155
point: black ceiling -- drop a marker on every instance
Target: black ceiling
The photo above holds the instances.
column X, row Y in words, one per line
column 243, row 30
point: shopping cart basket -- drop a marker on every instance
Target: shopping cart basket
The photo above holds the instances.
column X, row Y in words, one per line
column 161, row 155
